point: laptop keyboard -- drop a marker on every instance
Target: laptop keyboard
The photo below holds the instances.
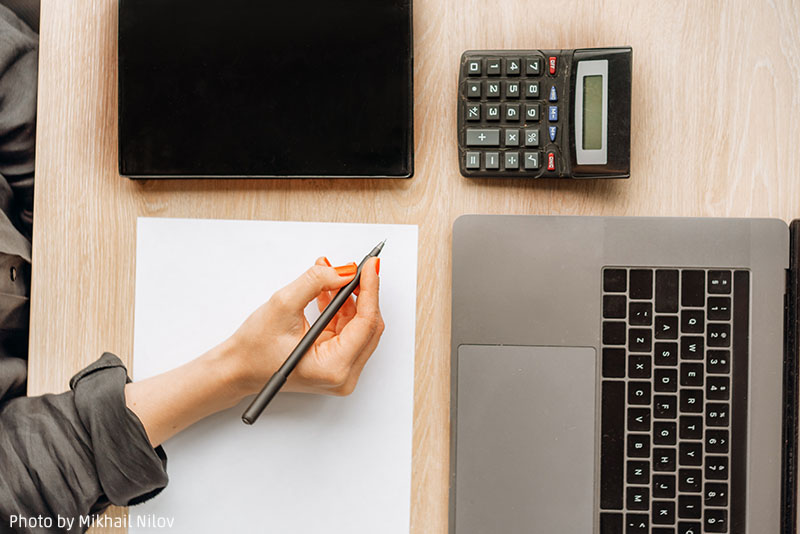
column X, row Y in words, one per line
column 674, row 400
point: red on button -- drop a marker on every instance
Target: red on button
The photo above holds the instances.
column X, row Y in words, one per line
column 552, row 65
column 551, row 161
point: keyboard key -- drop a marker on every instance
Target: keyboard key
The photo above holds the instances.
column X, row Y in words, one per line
column 613, row 333
column 716, row 468
column 665, row 406
column 531, row 161
column 666, row 327
column 614, row 306
column 638, row 472
column 664, row 433
column 552, row 64
column 638, row 446
column 533, row 66
column 610, row 523
column 717, row 441
column 662, row 530
column 638, row 393
column 693, row 288
column 719, row 308
column 492, row 161
column 473, row 160
column 692, row 321
column 532, row 137
column 716, row 520
column 512, row 89
column 552, row 113
column 691, row 427
column 666, row 291
column 663, row 513
column 493, row 112
column 613, row 363
column 718, row 388
column 689, row 507
column 483, row 137
column 512, row 112
column 493, row 89
column 553, row 131
column 638, row 498
column 639, row 340
column 532, row 89
column 665, row 380
column 666, row 354
column 719, row 335
column 641, row 282
column 640, row 314
column 718, row 361
column 513, row 66
column 691, row 348
column 689, row 527
column 511, row 137
column 715, row 494
column 719, row 282
column 612, row 430
column 717, row 414
column 553, row 97
column 551, row 161
column 493, row 66
column 474, row 112
column 663, row 459
column 690, row 480
column 691, row 453
column 663, row 486
column 511, row 161
column 639, row 366
column 691, row 374
column 615, row 280
column 474, row 67
column 474, row 89
column 637, row 524
column 692, row 400
column 532, row 112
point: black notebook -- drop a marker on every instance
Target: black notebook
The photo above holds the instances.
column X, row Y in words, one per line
column 310, row 88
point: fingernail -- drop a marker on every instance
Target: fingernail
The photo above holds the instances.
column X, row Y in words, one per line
column 378, row 266
column 325, row 259
column 346, row 270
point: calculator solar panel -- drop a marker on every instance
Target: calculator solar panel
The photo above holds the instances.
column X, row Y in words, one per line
column 242, row 88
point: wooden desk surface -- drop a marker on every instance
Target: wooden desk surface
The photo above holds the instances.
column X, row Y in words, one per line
column 716, row 90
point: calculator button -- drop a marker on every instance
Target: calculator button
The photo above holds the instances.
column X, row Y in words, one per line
column 551, row 161
column 532, row 89
column 474, row 112
column 511, row 160
column 493, row 89
column 483, row 137
column 512, row 89
column 532, row 137
column 493, row 67
column 533, row 66
column 552, row 130
column 512, row 137
column 493, row 112
column 531, row 161
column 553, row 96
column 473, row 160
column 552, row 113
column 512, row 112
column 492, row 161
column 513, row 66
column 532, row 112
column 474, row 89
column 474, row 67
column 552, row 63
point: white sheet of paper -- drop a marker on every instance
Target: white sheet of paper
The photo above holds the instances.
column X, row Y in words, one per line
column 310, row 464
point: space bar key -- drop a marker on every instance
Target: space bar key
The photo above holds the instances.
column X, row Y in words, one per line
column 483, row 136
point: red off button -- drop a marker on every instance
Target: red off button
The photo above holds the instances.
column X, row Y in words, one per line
column 551, row 161
column 552, row 60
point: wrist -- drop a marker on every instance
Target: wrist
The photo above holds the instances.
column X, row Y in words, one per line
column 225, row 363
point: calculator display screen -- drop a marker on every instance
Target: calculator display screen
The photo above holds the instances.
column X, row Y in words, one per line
column 592, row 112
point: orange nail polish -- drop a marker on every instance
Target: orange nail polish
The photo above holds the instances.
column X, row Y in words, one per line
column 346, row 270
column 326, row 261
column 378, row 266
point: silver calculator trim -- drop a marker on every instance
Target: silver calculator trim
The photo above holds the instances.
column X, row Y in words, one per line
column 583, row 156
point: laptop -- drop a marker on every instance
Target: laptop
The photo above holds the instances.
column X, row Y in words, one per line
column 623, row 375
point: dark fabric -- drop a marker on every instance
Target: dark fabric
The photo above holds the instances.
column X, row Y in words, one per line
column 67, row 455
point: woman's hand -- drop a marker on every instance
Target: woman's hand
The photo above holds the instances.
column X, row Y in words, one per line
column 334, row 363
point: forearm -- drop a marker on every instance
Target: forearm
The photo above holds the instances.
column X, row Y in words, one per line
column 172, row 401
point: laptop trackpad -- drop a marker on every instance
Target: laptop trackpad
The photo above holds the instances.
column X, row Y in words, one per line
column 525, row 439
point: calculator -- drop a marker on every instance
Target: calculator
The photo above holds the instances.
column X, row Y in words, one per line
column 545, row 113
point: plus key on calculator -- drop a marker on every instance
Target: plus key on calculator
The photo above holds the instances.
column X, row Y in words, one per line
column 545, row 113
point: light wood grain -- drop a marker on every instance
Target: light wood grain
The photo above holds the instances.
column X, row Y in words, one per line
column 716, row 92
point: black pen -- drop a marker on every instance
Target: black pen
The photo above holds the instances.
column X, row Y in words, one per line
column 277, row 380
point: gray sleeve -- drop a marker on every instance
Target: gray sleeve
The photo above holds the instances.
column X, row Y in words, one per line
column 73, row 454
